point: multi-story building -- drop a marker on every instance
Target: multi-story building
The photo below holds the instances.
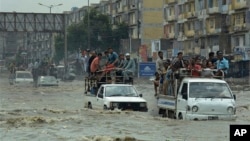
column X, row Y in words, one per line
column 144, row 18
column 201, row 26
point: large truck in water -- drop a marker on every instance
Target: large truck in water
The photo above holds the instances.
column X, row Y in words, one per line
column 200, row 98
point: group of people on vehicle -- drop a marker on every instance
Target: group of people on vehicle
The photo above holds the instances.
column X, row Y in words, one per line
column 108, row 62
column 167, row 70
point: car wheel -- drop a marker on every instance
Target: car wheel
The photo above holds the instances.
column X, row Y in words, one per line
column 180, row 116
column 90, row 105
column 105, row 107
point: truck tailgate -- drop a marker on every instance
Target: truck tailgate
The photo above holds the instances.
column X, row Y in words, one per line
column 166, row 102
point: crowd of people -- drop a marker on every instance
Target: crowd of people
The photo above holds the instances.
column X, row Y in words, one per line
column 99, row 64
column 213, row 66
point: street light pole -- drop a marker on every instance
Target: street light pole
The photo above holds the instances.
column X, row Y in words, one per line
column 51, row 6
column 50, row 35
column 88, row 28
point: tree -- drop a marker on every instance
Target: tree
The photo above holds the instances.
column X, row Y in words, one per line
column 102, row 35
column 59, row 48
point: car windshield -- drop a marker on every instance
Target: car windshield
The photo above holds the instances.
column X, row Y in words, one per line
column 120, row 91
column 24, row 75
column 209, row 90
column 48, row 78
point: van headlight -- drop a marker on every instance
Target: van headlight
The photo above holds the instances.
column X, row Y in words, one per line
column 195, row 108
column 114, row 104
column 143, row 104
column 230, row 110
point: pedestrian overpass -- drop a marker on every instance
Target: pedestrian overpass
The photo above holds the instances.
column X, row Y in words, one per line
column 32, row 22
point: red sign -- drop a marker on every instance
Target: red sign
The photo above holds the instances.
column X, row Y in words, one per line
column 143, row 53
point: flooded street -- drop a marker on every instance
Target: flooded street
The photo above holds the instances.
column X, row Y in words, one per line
column 58, row 113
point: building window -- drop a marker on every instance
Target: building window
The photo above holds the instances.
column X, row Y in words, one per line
column 237, row 41
column 244, row 41
column 224, row 2
column 211, row 23
column 210, row 3
column 201, row 4
column 125, row 2
column 169, row 12
column 237, row 19
column 244, row 18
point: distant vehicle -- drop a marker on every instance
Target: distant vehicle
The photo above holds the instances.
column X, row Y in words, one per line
column 22, row 78
column 120, row 96
column 60, row 71
column 47, row 81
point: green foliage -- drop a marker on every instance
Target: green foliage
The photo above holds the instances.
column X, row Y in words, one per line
column 59, row 48
column 101, row 31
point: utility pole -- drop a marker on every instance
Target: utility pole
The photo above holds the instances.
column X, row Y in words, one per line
column 88, row 27
column 65, row 44
column 50, row 35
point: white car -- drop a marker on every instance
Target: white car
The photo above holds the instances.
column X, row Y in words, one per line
column 120, row 96
column 47, row 81
column 22, row 78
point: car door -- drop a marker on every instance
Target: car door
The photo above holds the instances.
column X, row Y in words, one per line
column 182, row 98
column 100, row 97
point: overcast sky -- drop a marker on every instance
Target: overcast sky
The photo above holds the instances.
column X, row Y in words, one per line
column 33, row 6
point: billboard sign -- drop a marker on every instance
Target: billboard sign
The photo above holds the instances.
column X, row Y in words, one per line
column 147, row 69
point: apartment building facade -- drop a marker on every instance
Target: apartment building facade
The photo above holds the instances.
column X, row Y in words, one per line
column 144, row 18
column 201, row 26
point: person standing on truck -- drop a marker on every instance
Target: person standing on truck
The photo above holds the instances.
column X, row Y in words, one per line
column 195, row 67
column 222, row 64
column 170, row 80
column 159, row 69
column 90, row 61
column 129, row 69
column 95, row 65
column 86, row 60
column 165, row 82
column 212, row 58
column 156, row 82
column 178, row 61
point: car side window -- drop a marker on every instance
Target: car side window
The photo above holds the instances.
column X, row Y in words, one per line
column 184, row 89
column 100, row 94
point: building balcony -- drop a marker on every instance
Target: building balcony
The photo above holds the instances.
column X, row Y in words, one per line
column 170, row 18
column 201, row 14
column 171, row 35
column 239, row 5
column 181, row 1
column 169, row 1
column 239, row 27
column 213, row 10
column 181, row 37
column 189, row 33
column 120, row 10
column 211, row 31
column 191, row 14
column 180, row 17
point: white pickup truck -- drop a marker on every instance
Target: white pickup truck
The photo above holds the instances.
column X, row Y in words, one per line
column 119, row 96
column 199, row 99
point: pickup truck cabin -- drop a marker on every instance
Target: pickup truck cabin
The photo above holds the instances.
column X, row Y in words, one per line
column 120, row 96
column 199, row 99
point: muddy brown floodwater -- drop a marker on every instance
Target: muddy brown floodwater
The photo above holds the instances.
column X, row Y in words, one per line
column 58, row 114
